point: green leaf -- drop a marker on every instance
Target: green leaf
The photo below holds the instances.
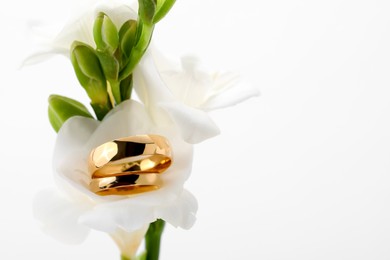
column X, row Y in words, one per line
column 163, row 10
column 146, row 10
column 62, row 108
column 105, row 33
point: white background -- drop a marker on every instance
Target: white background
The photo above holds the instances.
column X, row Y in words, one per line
column 302, row 172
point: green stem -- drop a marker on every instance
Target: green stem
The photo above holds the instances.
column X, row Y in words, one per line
column 124, row 257
column 153, row 239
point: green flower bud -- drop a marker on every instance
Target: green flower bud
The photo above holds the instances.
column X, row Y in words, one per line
column 146, row 10
column 163, row 9
column 62, row 108
column 127, row 37
column 87, row 67
column 105, row 33
column 109, row 65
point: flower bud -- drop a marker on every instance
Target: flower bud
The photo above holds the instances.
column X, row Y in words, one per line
column 87, row 67
column 163, row 10
column 146, row 10
column 62, row 108
column 90, row 74
column 127, row 37
column 109, row 65
column 105, row 33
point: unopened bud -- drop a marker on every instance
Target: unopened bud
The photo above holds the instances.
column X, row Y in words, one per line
column 105, row 33
column 62, row 108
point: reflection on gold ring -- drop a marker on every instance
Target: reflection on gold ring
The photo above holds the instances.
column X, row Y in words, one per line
column 129, row 165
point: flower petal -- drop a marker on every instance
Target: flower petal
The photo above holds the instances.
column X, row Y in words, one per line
column 133, row 213
column 69, row 157
column 230, row 90
column 195, row 125
column 182, row 212
column 59, row 217
column 148, row 83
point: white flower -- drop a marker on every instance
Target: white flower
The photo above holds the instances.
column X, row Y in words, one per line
column 186, row 93
column 69, row 215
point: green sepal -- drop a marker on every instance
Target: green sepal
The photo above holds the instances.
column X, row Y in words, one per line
column 146, row 10
column 105, row 33
column 127, row 37
column 88, row 70
column 163, row 10
column 62, row 108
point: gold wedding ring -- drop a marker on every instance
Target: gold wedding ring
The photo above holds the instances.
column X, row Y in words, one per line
column 129, row 165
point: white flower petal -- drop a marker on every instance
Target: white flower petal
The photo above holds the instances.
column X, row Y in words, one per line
column 69, row 158
column 191, row 85
column 59, row 217
column 234, row 91
column 74, row 133
column 148, row 83
column 183, row 216
column 126, row 216
column 133, row 213
column 195, row 125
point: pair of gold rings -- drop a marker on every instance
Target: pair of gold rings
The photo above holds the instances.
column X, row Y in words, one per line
column 129, row 165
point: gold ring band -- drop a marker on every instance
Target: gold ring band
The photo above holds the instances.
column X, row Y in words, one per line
column 125, row 185
column 129, row 165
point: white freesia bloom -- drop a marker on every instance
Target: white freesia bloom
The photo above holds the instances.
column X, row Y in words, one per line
column 70, row 214
column 186, row 93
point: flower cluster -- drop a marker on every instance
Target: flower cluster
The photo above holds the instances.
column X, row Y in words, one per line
column 174, row 101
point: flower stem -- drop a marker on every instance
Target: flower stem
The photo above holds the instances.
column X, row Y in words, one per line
column 153, row 239
column 124, row 257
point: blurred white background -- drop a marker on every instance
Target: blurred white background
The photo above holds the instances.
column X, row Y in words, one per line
column 303, row 172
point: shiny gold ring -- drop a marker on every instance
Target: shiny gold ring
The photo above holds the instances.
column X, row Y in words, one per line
column 129, row 165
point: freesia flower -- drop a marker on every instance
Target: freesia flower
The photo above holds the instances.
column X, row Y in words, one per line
column 186, row 93
column 69, row 215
